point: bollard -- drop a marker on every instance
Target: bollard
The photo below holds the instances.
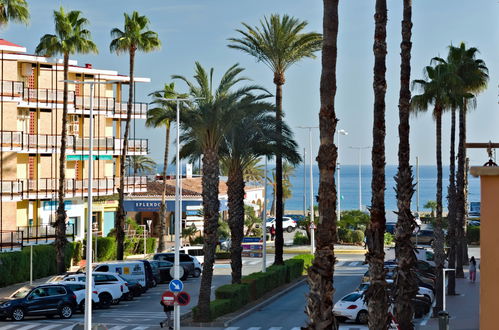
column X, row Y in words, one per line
column 443, row 320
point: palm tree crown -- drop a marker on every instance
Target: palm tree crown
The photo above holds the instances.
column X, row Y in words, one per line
column 70, row 36
column 135, row 35
column 140, row 164
column 13, row 10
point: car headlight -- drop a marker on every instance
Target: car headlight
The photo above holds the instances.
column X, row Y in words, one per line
column 5, row 305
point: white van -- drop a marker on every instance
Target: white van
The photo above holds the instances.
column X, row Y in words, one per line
column 129, row 270
column 194, row 251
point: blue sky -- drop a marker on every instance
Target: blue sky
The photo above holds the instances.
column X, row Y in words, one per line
column 197, row 30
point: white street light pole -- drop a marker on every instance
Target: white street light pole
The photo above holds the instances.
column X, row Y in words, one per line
column 145, row 240
column 417, row 185
column 304, row 183
column 88, row 280
column 445, row 270
column 264, row 225
column 360, row 174
column 342, row 132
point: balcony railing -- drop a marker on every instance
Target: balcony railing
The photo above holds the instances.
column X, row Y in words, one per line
column 48, row 188
column 47, row 143
column 10, row 240
column 44, row 95
column 11, row 88
column 109, row 105
column 42, row 234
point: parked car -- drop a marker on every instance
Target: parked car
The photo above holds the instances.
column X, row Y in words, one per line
column 155, row 270
column 299, row 218
column 150, row 278
column 421, row 291
column 424, row 236
column 47, row 300
column 79, row 291
column 194, row 251
column 198, row 267
column 390, row 228
column 185, row 261
column 111, row 288
column 130, row 270
column 474, row 223
column 225, row 244
column 351, row 307
column 288, row 224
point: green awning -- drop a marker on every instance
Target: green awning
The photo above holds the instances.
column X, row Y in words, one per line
column 85, row 157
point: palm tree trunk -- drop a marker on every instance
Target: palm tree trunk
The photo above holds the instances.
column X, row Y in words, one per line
column 377, row 296
column 162, row 222
column 60, row 225
column 320, row 275
column 407, row 286
column 461, row 158
column 211, row 206
column 279, row 206
column 438, row 242
column 451, row 286
column 235, row 192
column 119, row 223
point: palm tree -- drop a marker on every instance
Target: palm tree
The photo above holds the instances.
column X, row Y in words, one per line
column 162, row 115
column 436, row 91
column 135, row 36
column 376, row 295
column 140, row 163
column 253, row 136
column 13, row 10
column 253, row 172
column 205, row 122
column 279, row 43
column 287, row 170
column 320, row 274
column 71, row 37
column 473, row 76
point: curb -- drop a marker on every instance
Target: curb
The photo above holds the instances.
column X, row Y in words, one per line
column 264, row 303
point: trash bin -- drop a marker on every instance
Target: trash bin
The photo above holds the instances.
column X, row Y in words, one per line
column 443, row 320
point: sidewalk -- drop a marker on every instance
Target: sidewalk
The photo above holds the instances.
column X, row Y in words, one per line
column 463, row 309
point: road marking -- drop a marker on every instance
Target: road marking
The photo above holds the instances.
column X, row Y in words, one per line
column 68, row 328
column 339, row 264
column 29, row 326
column 275, row 328
column 140, row 328
column 5, row 327
column 118, row 327
column 232, row 328
column 254, row 328
column 296, row 328
column 49, row 327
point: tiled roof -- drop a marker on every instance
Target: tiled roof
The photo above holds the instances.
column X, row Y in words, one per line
column 4, row 42
column 155, row 188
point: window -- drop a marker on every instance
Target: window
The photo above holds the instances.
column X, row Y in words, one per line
column 352, row 297
column 185, row 258
column 103, row 268
column 164, row 264
column 110, row 278
column 56, row 290
column 76, row 287
column 100, row 278
column 39, row 293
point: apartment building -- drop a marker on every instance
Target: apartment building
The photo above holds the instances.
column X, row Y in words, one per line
column 31, row 103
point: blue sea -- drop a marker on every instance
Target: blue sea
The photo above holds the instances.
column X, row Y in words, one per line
column 350, row 187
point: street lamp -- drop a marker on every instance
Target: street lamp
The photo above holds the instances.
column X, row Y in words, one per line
column 88, row 281
column 312, row 224
column 264, row 226
column 360, row 174
column 342, row 132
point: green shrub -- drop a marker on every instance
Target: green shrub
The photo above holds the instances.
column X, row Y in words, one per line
column 345, row 235
column 222, row 255
column 106, row 248
column 238, row 294
column 300, row 239
column 473, row 234
column 307, row 261
column 295, row 269
column 388, row 238
column 198, row 240
column 357, row 237
column 218, row 308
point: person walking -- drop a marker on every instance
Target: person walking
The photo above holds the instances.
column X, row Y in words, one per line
column 168, row 309
column 272, row 233
column 472, row 269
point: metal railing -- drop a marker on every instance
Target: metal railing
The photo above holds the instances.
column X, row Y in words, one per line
column 110, row 105
column 42, row 233
column 11, row 88
column 45, row 95
column 10, row 240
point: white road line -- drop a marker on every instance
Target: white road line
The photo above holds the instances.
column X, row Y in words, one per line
column 232, row 328
column 29, row 326
column 140, row 328
column 48, row 327
column 69, row 328
column 118, row 327
column 5, row 327
column 296, row 328
column 254, row 328
column 255, row 262
column 275, row 328
column 339, row 264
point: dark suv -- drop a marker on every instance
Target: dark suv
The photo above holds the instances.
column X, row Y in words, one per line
column 185, row 261
column 47, row 300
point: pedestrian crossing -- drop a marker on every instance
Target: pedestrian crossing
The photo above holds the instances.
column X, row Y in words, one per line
column 342, row 327
column 44, row 325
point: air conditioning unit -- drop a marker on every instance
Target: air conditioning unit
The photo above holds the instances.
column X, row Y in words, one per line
column 26, row 70
column 74, row 129
column 73, row 118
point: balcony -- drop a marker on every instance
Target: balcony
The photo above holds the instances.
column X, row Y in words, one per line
column 42, row 234
column 12, row 89
column 22, row 189
column 47, row 143
column 10, row 240
column 109, row 107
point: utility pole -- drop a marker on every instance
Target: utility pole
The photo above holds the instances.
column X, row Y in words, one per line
column 360, row 173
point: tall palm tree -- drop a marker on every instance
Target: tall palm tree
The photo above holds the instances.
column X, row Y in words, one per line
column 320, row 274
column 205, row 122
column 376, row 295
column 253, row 172
column 473, row 76
column 279, row 42
column 140, row 163
column 70, row 37
column 253, row 136
column 13, row 10
column 287, row 170
column 405, row 278
column 135, row 36
column 451, row 206
column 436, row 90
column 162, row 115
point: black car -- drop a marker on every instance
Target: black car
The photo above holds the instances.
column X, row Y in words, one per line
column 150, row 279
column 164, row 268
column 185, row 261
column 46, row 300
column 155, row 270
column 135, row 288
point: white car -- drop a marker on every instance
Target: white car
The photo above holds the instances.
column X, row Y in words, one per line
column 111, row 287
column 79, row 291
column 351, row 307
column 198, row 267
column 422, row 291
column 288, row 224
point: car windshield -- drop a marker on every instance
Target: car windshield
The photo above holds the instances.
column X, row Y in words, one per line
column 21, row 293
column 270, row 219
column 363, row 287
column 123, row 278
column 352, row 297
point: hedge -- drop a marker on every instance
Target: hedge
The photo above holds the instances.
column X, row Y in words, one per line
column 14, row 266
column 231, row 297
column 357, row 236
column 307, row 261
column 473, row 234
column 106, row 247
column 300, row 239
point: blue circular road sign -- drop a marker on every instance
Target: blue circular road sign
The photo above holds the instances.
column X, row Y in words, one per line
column 176, row 285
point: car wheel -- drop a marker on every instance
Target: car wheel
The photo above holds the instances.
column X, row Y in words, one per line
column 186, row 275
column 65, row 312
column 129, row 296
column 289, row 229
column 105, row 300
column 362, row 317
column 197, row 272
column 18, row 314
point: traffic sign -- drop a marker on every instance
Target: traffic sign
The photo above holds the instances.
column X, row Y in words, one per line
column 183, row 298
column 168, row 298
column 176, row 285
column 312, row 226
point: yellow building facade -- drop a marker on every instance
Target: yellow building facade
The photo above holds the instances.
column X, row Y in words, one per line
column 31, row 105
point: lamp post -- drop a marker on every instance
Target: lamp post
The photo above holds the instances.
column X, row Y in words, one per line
column 264, row 225
column 360, row 174
column 312, row 223
column 339, row 132
column 88, row 280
